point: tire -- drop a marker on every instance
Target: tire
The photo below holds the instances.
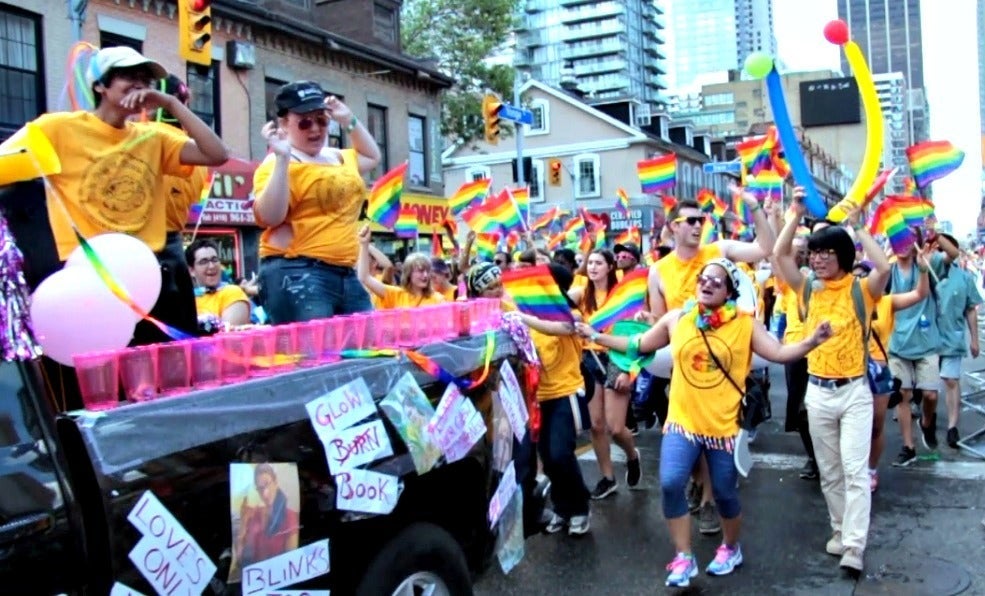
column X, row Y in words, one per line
column 424, row 552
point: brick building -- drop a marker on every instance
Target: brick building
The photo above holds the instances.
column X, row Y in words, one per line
column 351, row 47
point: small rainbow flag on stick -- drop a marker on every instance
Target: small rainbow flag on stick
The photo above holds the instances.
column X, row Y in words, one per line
column 932, row 160
column 384, row 197
column 624, row 301
column 406, row 224
column 469, row 193
column 535, row 293
column 888, row 221
column 486, row 245
column 622, row 202
column 658, row 173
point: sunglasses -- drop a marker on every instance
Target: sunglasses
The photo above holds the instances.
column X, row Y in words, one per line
column 715, row 282
column 307, row 122
column 694, row 220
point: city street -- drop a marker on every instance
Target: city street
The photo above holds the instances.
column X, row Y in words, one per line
column 926, row 537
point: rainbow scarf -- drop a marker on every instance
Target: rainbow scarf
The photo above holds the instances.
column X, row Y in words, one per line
column 658, row 173
column 535, row 293
column 625, row 300
column 384, row 197
column 932, row 160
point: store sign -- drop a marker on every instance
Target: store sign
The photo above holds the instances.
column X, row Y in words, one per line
column 639, row 217
column 431, row 212
column 230, row 202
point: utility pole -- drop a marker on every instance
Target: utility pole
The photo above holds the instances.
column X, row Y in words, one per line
column 519, row 132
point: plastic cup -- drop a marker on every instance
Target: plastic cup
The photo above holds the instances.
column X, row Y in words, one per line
column 206, row 358
column 385, row 336
column 463, row 317
column 236, row 351
column 333, row 339
column 492, row 313
column 174, row 370
column 353, row 331
column 285, row 347
column 99, row 379
column 477, row 323
column 310, row 343
column 138, row 371
column 263, row 350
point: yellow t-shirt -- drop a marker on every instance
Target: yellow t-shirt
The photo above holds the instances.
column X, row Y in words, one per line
column 843, row 355
column 702, row 401
column 449, row 293
column 397, row 297
column 323, row 209
column 181, row 191
column 883, row 326
column 791, row 308
column 112, row 179
column 217, row 302
column 560, row 374
column 680, row 277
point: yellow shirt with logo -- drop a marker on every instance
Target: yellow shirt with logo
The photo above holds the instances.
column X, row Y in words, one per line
column 323, row 209
column 112, row 179
column 702, row 400
column 680, row 277
column 560, row 374
column 397, row 297
column 882, row 325
column 181, row 191
column 216, row 303
column 843, row 355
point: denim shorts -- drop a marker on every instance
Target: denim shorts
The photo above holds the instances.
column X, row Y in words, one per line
column 605, row 376
column 303, row 289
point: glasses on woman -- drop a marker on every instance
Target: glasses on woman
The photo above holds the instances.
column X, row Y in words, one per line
column 307, row 122
column 694, row 220
column 715, row 282
column 821, row 255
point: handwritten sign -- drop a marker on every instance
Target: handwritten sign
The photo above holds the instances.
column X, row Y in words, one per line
column 448, row 404
column 341, row 408
column 298, row 565
column 366, row 491
column 501, row 498
column 121, row 589
column 448, row 429
column 357, row 446
column 473, row 430
column 511, row 396
column 167, row 556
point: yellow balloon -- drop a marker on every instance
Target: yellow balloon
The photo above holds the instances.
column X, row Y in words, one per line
column 27, row 155
column 869, row 169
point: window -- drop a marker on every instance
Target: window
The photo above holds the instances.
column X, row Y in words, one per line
column 542, row 117
column 537, row 183
column 477, row 173
column 376, row 124
column 203, row 83
column 21, row 76
column 109, row 40
column 417, row 168
column 270, row 87
column 587, row 178
column 384, row 23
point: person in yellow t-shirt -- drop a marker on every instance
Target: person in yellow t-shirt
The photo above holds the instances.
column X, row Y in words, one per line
column 707, row 334
column 485, row 280
column 441, row 279
column 228, row 302
column 308, row 200
column 838, row 399
column 415, row 287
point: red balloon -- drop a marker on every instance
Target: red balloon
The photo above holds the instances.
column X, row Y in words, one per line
column 836, row 32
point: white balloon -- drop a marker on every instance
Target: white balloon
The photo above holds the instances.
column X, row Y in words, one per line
column 130, row 261
column 747, row 294
column 762, row 275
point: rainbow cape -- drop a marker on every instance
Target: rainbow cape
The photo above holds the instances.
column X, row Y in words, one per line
column 624, row 301
column 932, row 160
column 658, row 173
column 469, row 193
column 384, row 197
column 535, row 293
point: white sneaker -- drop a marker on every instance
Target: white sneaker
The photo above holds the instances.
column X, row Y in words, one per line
column 556, row 524
column 579, row 525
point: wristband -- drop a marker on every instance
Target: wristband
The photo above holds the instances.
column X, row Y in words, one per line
column 633, row 349
column 594, row 336
column 352, row 125
column 923, row 269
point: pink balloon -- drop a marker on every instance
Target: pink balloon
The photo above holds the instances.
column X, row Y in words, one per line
column 73, row 312
column 130, row 261
column 836, row 32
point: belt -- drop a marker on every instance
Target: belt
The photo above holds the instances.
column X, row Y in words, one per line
column 339, row 270
column 831, row 383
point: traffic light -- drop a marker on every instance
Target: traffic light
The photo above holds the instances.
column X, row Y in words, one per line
column 554, row 171
column 195, row 31
column 490, row 115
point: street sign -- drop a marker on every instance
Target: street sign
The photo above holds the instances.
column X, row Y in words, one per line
column 722, row 167
column 515, row 114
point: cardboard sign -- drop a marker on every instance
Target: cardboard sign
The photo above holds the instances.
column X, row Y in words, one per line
column 167, row 556
column 339, row 409
column 366, row 491
column 357, row 446
column 298, row 565
column 504, row 492
column 451, row 420
column 448, row 404
column 410, row 412
column 121, row 589
column 511, row 397
column 473, row 430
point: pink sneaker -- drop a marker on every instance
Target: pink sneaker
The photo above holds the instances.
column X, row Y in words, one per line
column 682, row 569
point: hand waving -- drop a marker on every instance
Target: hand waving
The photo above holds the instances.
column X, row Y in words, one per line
column 276, row 139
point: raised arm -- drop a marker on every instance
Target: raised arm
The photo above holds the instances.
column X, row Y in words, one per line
column 762, row 247
column 767, row 346
column 650, row 340
column 383, row 261
column 783, row 253
column 204, row 147
column 463, row 256
column 951, row 252
column 905, row 300
column 362, row 266
column 272, row 202
column 880, row 264
column 362, row 141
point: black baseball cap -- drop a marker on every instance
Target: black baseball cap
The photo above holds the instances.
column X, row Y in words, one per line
column 299, row 97
column 629, row 247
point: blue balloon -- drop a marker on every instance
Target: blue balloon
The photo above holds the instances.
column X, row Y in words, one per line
column 791, row 147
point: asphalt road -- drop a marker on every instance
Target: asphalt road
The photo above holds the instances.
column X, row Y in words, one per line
column 926, row 535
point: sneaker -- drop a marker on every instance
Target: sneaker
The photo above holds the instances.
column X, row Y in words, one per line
column 873, row 480
column 952, row 438
column 852, row 560
column 634, row 471
column 928, row 434
column 693, row 492
column 809, row 471
column 579, row 525
column 604, row 488
column 556, row 524
column 726, row 560
column 907, row 455
column 708, row 521
column 682, row 569
column 752, row 436
column 834, row 546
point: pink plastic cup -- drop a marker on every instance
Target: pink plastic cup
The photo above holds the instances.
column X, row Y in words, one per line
column 263, row 351
column 285, row 347
column 406, row 330
column 174, row 370
column 310, row 343
column 477, row 323
column 138, row 371
column 353, row 331
column 333, row 339
column 99, row 379
column 206, row 358
column 236, row 351
column 492, row 312
column 386, row 324
column 463, row 317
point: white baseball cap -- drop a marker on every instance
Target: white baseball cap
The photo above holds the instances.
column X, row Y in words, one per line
column 107, row 59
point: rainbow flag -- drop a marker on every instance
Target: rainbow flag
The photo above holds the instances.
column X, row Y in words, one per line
column 469, row 193
column 583, row 244
column 658, row 173
column 534, row 292
column 709, row 231
column 195, row 213
column 437, row 250
column 406, row 224
column 742, row 210
column 932, row 160
column 552, row 216
column 622, row 201
column 502, row 210
column 521, row 196
column 631, row 235
column 486, row 245
column 888, row 221
column 668, row 203
column 623, row 301
column 600, row 238
column 575, row 225
column 914, row 210
column 556, row 241
column 766, row 184
column 384, row 197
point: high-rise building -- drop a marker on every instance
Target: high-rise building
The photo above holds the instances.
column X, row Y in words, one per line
column 981, row 63
column 614, row 48
column 888, row 31
column 891, row 90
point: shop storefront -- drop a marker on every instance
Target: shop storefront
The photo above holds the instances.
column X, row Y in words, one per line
column 431, row 213
column 643, row 218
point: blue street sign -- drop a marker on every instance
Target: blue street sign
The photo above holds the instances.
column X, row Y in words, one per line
column 515, row 114
column 722, row 167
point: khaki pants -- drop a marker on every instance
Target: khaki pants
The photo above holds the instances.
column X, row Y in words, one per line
column 841, row 429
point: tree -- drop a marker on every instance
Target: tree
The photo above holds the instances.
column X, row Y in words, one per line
column 459, row 35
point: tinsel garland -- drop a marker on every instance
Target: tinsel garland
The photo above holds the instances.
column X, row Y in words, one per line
column 18, row 341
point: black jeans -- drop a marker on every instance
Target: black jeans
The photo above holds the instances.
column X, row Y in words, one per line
column 796, row 415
